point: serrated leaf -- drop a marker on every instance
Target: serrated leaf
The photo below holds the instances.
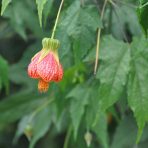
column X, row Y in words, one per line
column 138, row 82
column 15, row 19
column 4, row 74
column 40, row 7
column 80, row 95
column 22, row 17
column 5, row 3
column 63, row 37
column 81, row 43
column 115, row 56
column 100, row 129
column 90, row 56
column 87, row 16
column 120, row 22
column 143, row 15
column 81, row 28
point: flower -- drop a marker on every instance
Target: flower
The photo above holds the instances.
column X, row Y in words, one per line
column 45, row 65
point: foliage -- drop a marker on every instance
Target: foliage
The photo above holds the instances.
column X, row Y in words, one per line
column 5, row 3
column 4, row 74
column 143, row 15
column 109, row 109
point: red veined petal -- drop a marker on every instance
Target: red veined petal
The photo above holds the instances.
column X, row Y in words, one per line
column 47, row 67
column 59, row 74
column 32, row 67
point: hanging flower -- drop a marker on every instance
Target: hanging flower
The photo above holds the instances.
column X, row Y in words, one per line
column 45, row 65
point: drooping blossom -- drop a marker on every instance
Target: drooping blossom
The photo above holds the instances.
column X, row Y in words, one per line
column 45, row 65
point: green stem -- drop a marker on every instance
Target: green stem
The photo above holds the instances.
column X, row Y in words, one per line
column 57, row 18
column 144, row 5
column 98, row 38
column 67, row 137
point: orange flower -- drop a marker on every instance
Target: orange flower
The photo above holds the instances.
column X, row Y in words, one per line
column 45, row 65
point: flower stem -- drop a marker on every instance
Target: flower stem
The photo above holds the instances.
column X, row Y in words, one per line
column 67, row 137
column 57, row 18
column 98, row 38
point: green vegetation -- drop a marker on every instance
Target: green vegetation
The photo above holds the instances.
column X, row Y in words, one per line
column 102, row 101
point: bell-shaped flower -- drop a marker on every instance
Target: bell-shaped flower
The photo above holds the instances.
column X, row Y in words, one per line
column 45, row 65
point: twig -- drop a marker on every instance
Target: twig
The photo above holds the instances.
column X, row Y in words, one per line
column 98, row 39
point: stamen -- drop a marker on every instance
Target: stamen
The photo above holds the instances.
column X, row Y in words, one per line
column 43, row 86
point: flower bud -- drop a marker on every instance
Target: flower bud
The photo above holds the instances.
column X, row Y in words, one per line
column 28, row 131
column 88, row 138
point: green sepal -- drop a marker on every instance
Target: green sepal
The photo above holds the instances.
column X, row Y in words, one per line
column 50, row 44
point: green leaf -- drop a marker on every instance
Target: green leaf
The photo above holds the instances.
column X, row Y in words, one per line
column 144, row 144
column 87, row 16
column 63, row 37
column 120, row 22
column 80, row 95
column 115, row 56
column 138, row 82
column 4, row 74
column 40, row 7
column 39, row 125
column 100, row 129
column 5, row 3
column 81, row 43
column 143, row 15
column 125, row 134
column 16, row 18
column 22, row 17
column 81, row 28
column 14, row 107
column 46, row 10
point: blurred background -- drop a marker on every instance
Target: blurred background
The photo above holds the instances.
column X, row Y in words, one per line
column 63, row 117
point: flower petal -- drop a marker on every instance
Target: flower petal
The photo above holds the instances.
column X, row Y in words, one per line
column 32, row 67
column 47, row 67
column 58, row 77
